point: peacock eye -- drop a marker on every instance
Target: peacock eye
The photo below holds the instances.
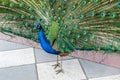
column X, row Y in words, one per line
column 73, row 7
column 78, row 35
column 22, row 16
column 52, row 10
column 70, row 17
column 21, row 5
column 103, row 14
column 118, row 4
column 63, row 45
column 54, row 18
column 95, row 0
column 30, row 9
column 85, row 39
column 112, row 15
column 118, row 40
column 91, row 14
column 53, row 1
column 65, row 26
column 92, row 36
column 69, row 32
column 80, row 46
column 81, row 16
column 75, row 26
column 15, row 18
column 7, row 17
column 59, row 18
column 26, row 24
column 83, row 3
column 4, row 3
column 32, row 17
column 71, row 40
column 11, row 4
column 65, row 2
column 84, row 32
column 63, row 13
column 59, row 9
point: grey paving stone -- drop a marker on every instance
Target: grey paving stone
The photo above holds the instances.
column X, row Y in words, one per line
column 42, row 56
column 16, row 57
column 95, row 70
column 72, row 71
column 5, row 45
column 113, row 77
column 27, row 72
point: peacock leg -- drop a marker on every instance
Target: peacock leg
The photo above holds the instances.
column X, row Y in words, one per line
column 61, row 69
column 58, row 64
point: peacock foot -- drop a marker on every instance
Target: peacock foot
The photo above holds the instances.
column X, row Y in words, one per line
column 59, row 71
column 56, row 65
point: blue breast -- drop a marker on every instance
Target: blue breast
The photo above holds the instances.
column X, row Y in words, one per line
column 45, row 43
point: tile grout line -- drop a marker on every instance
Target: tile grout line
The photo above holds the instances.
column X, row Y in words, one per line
column 30, row 45
column 54, row 61
column 16, row 66
column 83, row 69
column 13, row 42
column 36, row 64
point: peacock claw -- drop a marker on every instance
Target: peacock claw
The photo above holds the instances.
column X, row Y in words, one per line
column 56, row 65
column 59, row 71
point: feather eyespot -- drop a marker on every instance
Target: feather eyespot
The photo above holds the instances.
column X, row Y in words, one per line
column 118, row 4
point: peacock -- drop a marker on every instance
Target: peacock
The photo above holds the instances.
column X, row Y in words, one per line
column 69, row 24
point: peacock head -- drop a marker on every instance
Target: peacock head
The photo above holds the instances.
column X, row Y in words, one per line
column 37, row 25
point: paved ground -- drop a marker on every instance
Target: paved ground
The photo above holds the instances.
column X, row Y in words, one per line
column 21, row 62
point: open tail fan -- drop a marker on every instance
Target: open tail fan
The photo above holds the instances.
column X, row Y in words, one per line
column 78, row 24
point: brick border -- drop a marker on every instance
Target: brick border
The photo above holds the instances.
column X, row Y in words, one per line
column 20, row 40
column 112, row 59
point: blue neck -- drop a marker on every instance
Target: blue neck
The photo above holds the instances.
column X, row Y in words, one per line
column 45, row 43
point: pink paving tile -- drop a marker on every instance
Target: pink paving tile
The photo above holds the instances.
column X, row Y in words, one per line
column 113, row 59
column 99, row 57
column 20, row 40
